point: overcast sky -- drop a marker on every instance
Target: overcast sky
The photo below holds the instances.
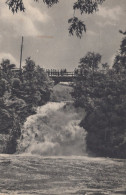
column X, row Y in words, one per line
column 46, row 37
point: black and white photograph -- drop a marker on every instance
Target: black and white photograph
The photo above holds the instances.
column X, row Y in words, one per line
column 62, row 97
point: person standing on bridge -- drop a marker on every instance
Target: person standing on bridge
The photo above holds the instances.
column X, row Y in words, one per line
column 61, row 72
column 51, row 72
column 75, row 71
column 65, row 70
column 48, row 72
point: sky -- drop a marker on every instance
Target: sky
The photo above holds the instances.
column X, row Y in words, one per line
column 46, row 37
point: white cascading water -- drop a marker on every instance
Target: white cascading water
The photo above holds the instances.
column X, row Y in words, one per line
column 54, row 130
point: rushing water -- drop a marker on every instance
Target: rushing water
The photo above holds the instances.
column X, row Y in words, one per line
column 30, row 174
column 54, row 130
column 52, row 159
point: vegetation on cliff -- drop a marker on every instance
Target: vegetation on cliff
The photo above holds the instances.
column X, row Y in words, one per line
column 20, row 94
column 102, row 93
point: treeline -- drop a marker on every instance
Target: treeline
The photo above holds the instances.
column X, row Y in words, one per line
column 20, row 94
column 103, row 95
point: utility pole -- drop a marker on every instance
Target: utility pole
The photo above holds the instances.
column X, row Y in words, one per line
column 21, row 53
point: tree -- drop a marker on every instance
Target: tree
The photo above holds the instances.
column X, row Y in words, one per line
column 87, row 81
column 3, row 87
column 105, row 123
column 122, row 32
column 120, row 59
column 6, row 65
column 36, row 85
column 91, row 62
column 105, row 66
column 76, row 26
column 19, row 97
column 6, row 69
column 105, row 120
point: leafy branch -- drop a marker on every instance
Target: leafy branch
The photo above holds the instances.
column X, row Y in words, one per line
column 77, row 26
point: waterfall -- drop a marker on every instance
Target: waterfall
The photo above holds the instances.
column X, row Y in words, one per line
column 54, row 130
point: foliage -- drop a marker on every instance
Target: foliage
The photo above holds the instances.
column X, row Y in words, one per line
column 105, row 103
column 15, row 5
column 84, row 87
column 50, row 2
column 20, row 94
column 16, row 83
column 6, row 65
column 36, row 85
column 76, row 25
column 6, row 69
column 90, row 62
column 105, row 66
column 105, row 122
column 5, row 121
column 123, row 32
column 3, row 87
column 120, row 59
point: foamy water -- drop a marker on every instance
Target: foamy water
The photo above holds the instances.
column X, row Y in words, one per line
column 54, row 130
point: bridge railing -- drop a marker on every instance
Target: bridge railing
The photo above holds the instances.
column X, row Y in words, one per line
column 59, row 73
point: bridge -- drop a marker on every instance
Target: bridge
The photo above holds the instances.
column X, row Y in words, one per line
column 61, row 76
column 58, row 75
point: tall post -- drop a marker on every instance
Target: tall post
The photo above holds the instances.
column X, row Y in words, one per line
column 21, row 53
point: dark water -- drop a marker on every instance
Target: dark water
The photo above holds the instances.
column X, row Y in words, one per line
column 29, row 174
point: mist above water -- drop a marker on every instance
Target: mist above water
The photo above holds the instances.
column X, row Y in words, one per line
column 54, row 130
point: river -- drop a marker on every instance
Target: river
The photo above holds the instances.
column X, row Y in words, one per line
column 52, row 158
